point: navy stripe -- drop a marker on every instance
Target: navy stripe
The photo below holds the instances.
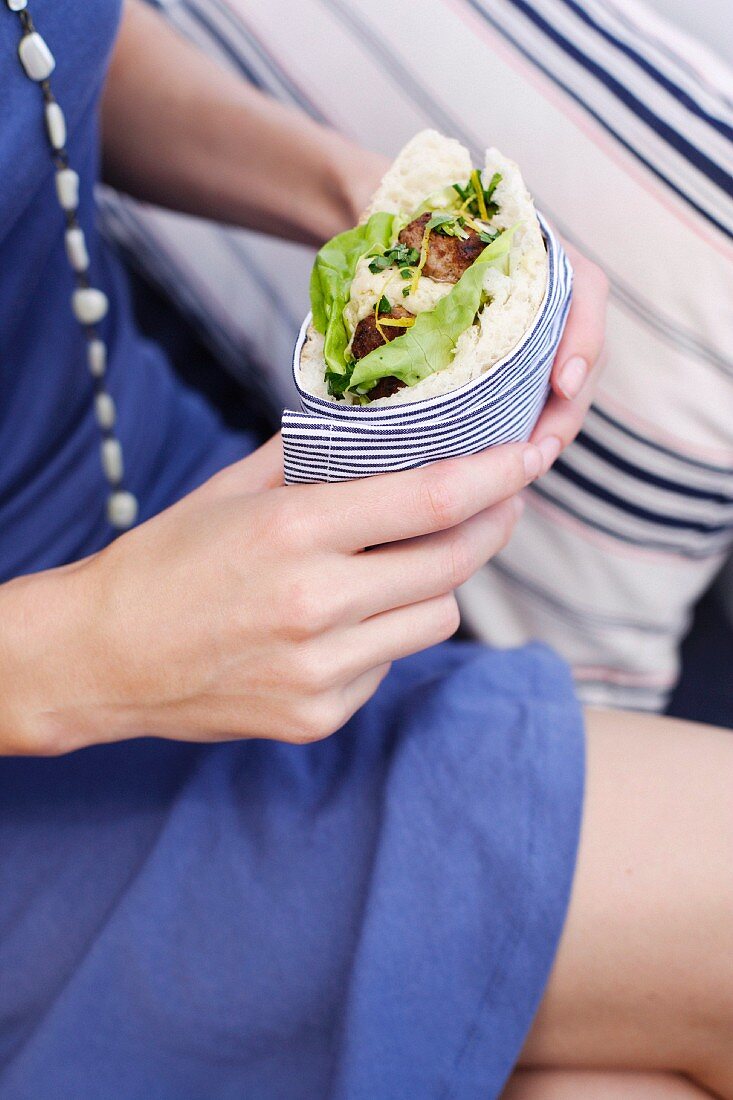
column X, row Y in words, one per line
column 600, row 492
column 552, row 75
column 660, row 126
column 667, row 547
column 675, row 58
column 643, row 63
column 684, row 459
column 613, row 459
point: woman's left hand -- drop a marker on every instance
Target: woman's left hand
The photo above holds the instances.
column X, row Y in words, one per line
column 576, row 369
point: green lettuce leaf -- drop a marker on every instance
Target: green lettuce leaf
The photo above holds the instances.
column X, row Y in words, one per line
column 430, row 344
column 331, row 278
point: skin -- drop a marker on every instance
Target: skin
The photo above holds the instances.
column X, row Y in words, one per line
column 556, row 1084
column 233, row 590
column 643, row 978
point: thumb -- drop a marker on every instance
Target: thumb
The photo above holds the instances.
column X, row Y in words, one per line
column 582, row 341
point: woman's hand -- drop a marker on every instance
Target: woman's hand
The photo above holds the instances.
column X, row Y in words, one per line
column 576, row 369
column 250, row 609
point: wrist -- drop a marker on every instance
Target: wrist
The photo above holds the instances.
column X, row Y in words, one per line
column 45, row 637
column 356, row 173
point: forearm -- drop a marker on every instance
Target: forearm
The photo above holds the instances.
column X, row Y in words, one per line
column 182, row 132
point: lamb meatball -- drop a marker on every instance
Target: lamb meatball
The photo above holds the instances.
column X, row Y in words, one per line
column 385, row 387
column 367, row 336
column 448, row 257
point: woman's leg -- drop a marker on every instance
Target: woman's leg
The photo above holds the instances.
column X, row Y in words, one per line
column 578, row 1084
column 643, row 978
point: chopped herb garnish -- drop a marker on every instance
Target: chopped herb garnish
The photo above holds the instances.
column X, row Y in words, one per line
column 379, row 263
column 339, row 383
column 493, row 184
column 476, row 199
column 384, row 304
column 448, row 225
column 399, row 256
column 405, row 291
column 487, row 237
column 405, row 273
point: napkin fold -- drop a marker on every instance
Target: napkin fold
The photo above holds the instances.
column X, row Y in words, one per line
column 330, row 441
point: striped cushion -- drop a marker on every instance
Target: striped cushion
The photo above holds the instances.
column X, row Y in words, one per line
column 625, row 136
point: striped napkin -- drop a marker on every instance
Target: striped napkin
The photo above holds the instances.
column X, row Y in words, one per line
column 329, row 441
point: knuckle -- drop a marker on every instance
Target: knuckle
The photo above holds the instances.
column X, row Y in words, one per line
column 318, row 719
column 306, row 613
column 289, row 524
column 439, row 498
column 462, row 559
column 308, row 673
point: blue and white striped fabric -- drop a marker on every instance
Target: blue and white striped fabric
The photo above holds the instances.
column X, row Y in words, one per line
column 330, row 441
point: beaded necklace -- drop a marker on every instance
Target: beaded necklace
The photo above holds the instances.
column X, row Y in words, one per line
column 89, row 304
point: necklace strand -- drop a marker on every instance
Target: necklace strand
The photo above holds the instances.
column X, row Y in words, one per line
column 89, row 304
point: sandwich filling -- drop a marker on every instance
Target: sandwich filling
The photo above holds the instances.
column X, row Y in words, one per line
column 442, row 276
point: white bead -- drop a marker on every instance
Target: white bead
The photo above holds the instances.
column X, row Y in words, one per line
column 104, row 407
column 17, row 5
column 35, row 56
column 76, row 249
column 55, row 125
column 112, row 460
column 97, row 357
column 122, row 509
column 67, row 188
column 89, row 305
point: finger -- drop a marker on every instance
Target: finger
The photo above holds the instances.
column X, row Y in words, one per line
column 260, row 470
column 404, row 573
column 396, row 634
column 361, row 689
column 390, row 507
column 562, row 419
column 582, row 339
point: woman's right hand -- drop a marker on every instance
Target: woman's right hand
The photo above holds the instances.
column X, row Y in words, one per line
column 253, row 609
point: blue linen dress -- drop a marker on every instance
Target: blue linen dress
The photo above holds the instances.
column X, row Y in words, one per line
column 372, row 917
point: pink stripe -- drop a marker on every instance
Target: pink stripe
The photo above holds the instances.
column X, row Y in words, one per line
column 607, row 543
column 718, row 455
column 623, row 676
column 592, row 130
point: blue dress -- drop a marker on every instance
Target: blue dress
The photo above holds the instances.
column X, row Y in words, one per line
column 371, row 917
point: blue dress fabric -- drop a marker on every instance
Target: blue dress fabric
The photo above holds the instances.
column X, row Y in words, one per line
column 371, row 917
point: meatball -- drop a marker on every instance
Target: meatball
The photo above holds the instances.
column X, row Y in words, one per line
column 448, row 257
column 367, row 336
column 385, row 387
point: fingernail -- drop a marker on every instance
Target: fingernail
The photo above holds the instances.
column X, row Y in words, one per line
column 533, row 461
column 573, row 376
column 549, row 448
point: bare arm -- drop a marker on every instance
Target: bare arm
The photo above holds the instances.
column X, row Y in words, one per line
column 180, row 131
